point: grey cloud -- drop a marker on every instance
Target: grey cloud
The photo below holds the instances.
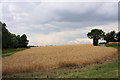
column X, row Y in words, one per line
column 61, row 17
column 90, row 16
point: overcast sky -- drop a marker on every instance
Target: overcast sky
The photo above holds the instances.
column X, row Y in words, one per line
column 59, row 23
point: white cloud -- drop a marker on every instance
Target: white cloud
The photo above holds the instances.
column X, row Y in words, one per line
column 82, row 41
column 77, row 36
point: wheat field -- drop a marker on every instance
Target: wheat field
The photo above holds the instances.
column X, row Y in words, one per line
column 49, row 57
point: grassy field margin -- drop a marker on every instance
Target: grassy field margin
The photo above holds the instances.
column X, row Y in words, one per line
column 9, row 52
column 101, row 71
column 109, row 70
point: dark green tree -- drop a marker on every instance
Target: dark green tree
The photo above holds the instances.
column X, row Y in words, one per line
column 95, row 34
column 110, row 37
column 10, row 40
column 19, row 41
column 24, row 40
column 118, row 36
column 5, row 37
column 14, row 41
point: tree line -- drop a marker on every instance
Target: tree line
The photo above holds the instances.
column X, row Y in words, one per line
column 97, row 34
column 10, row 40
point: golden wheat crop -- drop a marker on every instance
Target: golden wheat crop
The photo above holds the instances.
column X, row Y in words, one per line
column 47, row 57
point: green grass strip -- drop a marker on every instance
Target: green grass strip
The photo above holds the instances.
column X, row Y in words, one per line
column 9, row 52
column 101, row 71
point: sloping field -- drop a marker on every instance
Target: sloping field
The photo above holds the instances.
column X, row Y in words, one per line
column 47, row 57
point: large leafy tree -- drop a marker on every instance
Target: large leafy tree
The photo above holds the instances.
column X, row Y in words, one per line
column 118, row 36
column 14, row 41
column 110, row 37
column 5, row 37
column 10, row 40
column 95, row 34
column 19, row 41
column 24, row 40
